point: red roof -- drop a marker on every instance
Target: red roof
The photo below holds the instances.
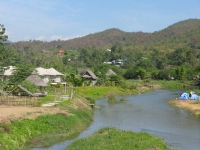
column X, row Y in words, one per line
column 61, row 51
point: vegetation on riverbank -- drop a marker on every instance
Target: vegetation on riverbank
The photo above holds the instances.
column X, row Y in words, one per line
column 111, row 138
column 45, row 130
column 50, row 129
column 101, row 92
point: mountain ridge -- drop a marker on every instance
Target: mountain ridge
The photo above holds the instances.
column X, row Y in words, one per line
column 186, row 30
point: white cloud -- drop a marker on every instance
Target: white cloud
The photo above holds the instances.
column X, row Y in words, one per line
column 41, row 38
column 56, row 37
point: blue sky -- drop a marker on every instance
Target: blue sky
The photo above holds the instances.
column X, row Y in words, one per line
column 49, row 20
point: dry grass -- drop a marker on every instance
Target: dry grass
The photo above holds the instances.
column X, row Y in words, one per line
column 191, row 105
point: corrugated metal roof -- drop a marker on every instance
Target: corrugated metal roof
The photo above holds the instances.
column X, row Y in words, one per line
column 9, row 71
column 51, row 71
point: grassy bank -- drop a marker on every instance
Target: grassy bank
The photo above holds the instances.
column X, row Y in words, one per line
column 44, row 130
column 50, row 129
column 101, row 92
column 111, row 138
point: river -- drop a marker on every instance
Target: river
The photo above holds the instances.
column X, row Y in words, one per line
column 150, row 113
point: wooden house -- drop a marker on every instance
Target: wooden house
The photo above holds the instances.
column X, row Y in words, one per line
column 88, row 75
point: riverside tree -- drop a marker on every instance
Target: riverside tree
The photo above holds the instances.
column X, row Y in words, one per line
column 3, row 38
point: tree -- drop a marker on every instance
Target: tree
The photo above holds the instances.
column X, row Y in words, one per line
column 3, row 38
column 181, row 72
column 20, row 74
column 30, row 86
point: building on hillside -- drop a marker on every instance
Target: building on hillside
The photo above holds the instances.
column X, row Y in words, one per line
column 119, row 62
column 88, row 75
column 61, row 52
column 143, row 58
column 50, row 75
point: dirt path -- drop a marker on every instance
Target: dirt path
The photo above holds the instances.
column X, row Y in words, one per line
column 8, row 113
column 190, row 105
column 20, row 112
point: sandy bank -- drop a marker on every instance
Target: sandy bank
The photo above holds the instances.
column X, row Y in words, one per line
column 190, row 105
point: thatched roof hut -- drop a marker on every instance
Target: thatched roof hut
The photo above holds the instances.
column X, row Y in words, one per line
column 110, row 72
column 22, row 89
column 87, row 74
column 36, row 79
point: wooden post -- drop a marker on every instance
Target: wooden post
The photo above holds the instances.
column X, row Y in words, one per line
column 72, row 92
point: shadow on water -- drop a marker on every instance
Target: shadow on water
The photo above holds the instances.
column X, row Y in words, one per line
column 150, row 113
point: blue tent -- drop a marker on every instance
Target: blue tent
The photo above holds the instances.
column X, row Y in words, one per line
column 184, row 96
column 194, row 96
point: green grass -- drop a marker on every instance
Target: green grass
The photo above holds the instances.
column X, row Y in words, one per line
column 46, row 99
column 44, row 130
column 113, row 139
column 100, row 92
column 173, row 84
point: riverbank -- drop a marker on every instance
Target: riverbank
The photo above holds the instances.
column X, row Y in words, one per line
column 190, row 105
column 43, row 127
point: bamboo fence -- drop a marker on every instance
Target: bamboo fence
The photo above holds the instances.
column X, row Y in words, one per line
column 19, row 101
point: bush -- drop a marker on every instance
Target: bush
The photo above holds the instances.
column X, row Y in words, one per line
column 91, row 100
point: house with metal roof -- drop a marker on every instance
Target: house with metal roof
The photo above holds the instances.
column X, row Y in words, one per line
column 6, row 72
column 50, row 75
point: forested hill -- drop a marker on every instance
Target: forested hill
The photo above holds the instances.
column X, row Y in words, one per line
column 183, row 33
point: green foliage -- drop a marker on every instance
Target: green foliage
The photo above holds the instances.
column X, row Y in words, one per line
column 99, row 92
column 91, row 100
column 78, row 81
column 20, row 74
column 181, row 72
column 30, row 86
column 163, row 74
column 3, row 37
column 135, row 72
column 47, row 129
column 111, row 138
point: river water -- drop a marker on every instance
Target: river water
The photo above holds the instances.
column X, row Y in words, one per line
column 149, row 113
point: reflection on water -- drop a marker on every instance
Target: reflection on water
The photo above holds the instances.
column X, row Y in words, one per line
column 147, row 113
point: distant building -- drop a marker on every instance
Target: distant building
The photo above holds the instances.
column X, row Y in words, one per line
column 108, row 50
column 61, row 52
column 6, row 72
column 110, row 72
column 143, row 58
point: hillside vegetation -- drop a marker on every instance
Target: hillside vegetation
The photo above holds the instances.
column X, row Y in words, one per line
column 171, row 53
